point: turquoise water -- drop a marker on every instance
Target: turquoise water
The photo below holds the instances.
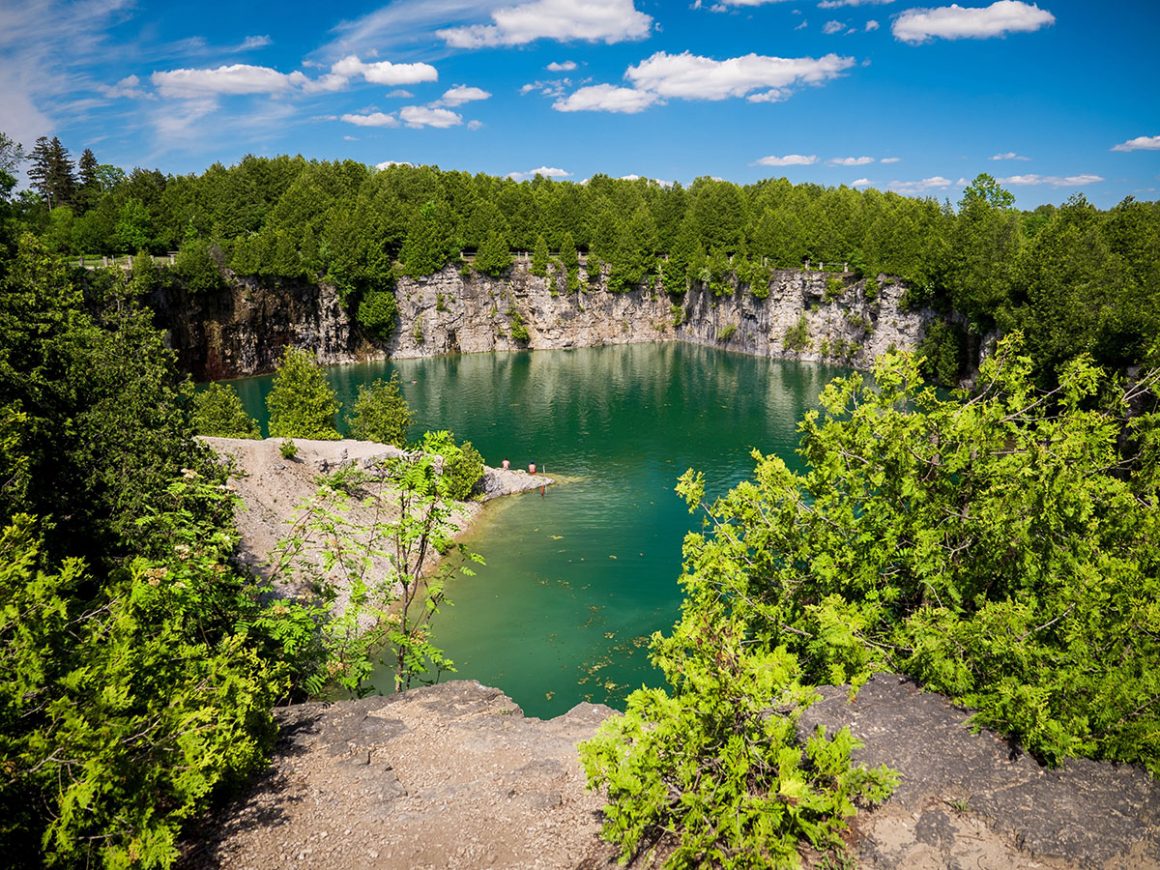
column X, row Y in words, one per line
column 577, row 579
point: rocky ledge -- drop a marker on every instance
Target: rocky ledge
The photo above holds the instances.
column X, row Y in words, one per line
column 455, row 776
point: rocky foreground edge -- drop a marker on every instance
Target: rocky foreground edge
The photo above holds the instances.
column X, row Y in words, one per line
column 455, row 776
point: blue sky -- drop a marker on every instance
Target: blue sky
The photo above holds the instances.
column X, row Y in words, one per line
column 1052, row 97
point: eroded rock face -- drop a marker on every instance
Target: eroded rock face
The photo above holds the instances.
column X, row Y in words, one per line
column 242, row 330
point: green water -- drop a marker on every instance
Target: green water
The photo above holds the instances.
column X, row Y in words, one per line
column 577, row 579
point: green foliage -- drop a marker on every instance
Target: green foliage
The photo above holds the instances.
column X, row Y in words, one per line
column 540, row 257
column 677, row 312
column 835, row 289
column 377, row 312
column 288, row 449
column 494, row 257
column 941, row 353
column 905, row 547
column 196, row 264
column 385, row 564
column 519, row 331
column 870, row 289
column 797, row 337
column 218, row 411
column 461, row 468
column 726, row 332
column 301, row 403
column 381, row 413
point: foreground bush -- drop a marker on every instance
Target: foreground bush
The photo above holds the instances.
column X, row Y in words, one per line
column 1002, row 549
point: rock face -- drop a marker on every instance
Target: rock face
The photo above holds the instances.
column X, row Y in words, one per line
column 455, row 776
column 975, row 800
column 242, row 330
column 445, row 776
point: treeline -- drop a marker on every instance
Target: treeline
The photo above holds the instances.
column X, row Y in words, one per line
column 1073, row 278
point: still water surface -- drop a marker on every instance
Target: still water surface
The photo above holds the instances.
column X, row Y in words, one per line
column 576, row 580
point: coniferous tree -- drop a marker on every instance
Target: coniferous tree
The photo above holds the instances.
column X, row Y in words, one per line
column 540, row 257
column 494, row 257
column 301, row 403
column 89, row 182
column 52, row 173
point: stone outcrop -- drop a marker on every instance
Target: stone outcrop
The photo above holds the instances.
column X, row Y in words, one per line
column 455, row 776
column 242, row 330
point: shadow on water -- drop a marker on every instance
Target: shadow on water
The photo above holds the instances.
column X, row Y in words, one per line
column 577, row 579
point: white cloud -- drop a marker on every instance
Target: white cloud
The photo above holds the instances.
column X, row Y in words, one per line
column 129, row 86
column 374, row 119
column 838, row 4
column 237, row 78
column 562, row 66
column 399, row 94
column 692, row 77
column 957, row 22
column 1009, row 155
column 1140, row 143
column 460, row 94
column 605, row 21
column 474, row 125
column 777, row 95
column 850, row 161
column 251, row 42
column 384, row 72
column 788, row 160
column 387, row 164
column 429, row 116
column 832, row 27
column 545, row 171
column 1051, row 180
column 861, row 182
column 803, row 25
column 605, row 98
column 871, row 25
column 925, row 185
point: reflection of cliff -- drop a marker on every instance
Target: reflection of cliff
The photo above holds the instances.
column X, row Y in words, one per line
column 241, row 331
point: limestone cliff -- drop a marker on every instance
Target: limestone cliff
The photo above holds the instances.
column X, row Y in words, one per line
column 242, row 330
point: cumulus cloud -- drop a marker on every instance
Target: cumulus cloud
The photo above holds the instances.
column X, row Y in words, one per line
column 561, row 66
column 606, row 21
column 957, row 22
column 605, row 98
column 1009, row 155
column 788, row 160
column 693, row 77
column 850, row 161
column 429, row 116
column 871, row 25
column 1051, row 180
column 399, row 94
column 373, row 119
column 832, row 27
column 461, row 94
column 861, row 182
column 387, row 164
column 1140, row 143
column 924, row 185
column 545, row 171
column 237, row 78
column 129, row 86
column 384, row 72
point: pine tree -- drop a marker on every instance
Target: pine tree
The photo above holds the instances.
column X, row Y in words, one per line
column 89, row 190
column 52, row 173
column 494, row 257
column 540, row 257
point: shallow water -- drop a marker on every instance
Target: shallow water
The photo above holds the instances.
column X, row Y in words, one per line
column 577, row 579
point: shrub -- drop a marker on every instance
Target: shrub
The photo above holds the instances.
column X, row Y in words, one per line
column 381, row 413
column 301, row 403
column 835, row 289
column 726, row 332
column 797, row 337
column 462, row 464
column 218, row 411
column 376, row 313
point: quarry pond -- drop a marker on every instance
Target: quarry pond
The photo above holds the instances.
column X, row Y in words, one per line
column 578, row 578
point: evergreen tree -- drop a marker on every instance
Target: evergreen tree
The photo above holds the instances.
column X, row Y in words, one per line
column 540, row 257
column 89, row 182
column 301, row 403
column 494, row 257
column 52, row 173
column 428, row 245
column 218, row 411
column 381, row 413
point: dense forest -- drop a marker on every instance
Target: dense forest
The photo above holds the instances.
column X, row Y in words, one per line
column 998, row 546
column 1073, row 278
